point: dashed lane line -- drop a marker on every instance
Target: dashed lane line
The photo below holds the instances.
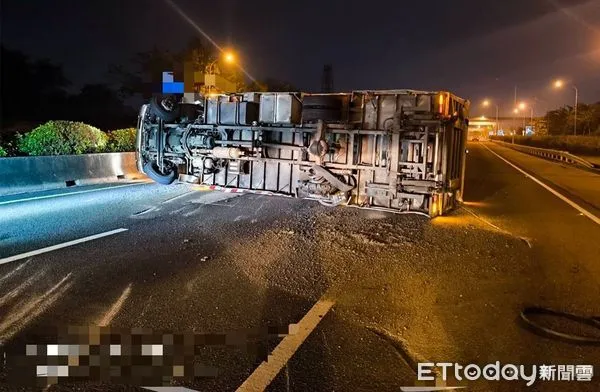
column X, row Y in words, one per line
column 60, row 246
column 264, row 374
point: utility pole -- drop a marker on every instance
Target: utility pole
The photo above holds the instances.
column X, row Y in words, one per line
column 497, row 124
column 576, row 101
column 515, row 117
column 327, row 79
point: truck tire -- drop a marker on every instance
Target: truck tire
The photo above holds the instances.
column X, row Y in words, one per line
column 161, row 112
column 151, row 169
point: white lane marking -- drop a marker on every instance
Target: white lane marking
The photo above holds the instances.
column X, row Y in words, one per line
column 31, row 310
column 579, row 208
column 115, row 308
column 71, row 193
column 428, row 389
column 60, row 246
column 264, row 374
column 11, row 273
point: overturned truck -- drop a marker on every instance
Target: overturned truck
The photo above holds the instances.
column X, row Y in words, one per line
column 395, row 150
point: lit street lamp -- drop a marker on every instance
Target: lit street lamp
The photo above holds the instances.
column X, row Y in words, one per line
column 558, row 84
column 210, row 79
column 486, row 103
column 228, row 57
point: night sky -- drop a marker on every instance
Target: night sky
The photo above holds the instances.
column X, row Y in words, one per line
column 476, row 48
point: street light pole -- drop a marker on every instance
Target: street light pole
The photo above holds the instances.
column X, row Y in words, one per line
column 497, row 124
column 575, row 120
column 486, row 103
column 531, row 122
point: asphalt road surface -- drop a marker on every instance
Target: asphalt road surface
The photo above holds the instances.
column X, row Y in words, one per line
column 289, row 295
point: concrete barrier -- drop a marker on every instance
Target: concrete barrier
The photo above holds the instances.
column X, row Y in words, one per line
column 30, row 174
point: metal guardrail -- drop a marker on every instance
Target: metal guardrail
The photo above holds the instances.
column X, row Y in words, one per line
column 556, row 155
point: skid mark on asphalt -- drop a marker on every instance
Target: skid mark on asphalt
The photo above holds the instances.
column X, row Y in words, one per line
column 179, row 210
column 172, row 199
column 115, row 308
column 215, row 198
column 137, row 215
column 32, row 309
column 195, row 211
column 145, row 309
column 189, row 207
column 260, row 200
column 147, row 213
column 14, row 271
column 20, row 288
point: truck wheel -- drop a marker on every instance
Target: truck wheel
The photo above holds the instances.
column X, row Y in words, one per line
column 164, row 108
column 151, row 169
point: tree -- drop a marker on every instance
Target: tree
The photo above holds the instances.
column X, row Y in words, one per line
column 143, row 76
column 31, row 90
column 561, row 121
column 101, row 106
column 588, row 118
column 558, row 120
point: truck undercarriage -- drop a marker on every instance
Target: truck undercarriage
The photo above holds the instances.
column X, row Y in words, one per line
column 396, row 150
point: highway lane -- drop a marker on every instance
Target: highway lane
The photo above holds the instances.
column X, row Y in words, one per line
column 404, row 288
column 34, row 221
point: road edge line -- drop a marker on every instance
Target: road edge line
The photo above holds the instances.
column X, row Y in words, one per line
column 60, row 246
column 570, row 202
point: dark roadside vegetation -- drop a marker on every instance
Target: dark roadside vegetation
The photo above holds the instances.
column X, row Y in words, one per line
column 557, row 131
column 43, row 114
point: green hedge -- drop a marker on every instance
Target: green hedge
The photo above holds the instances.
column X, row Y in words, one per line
column 68, row 138
column 62, row 138
column 584, row 145
column 121, row 140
